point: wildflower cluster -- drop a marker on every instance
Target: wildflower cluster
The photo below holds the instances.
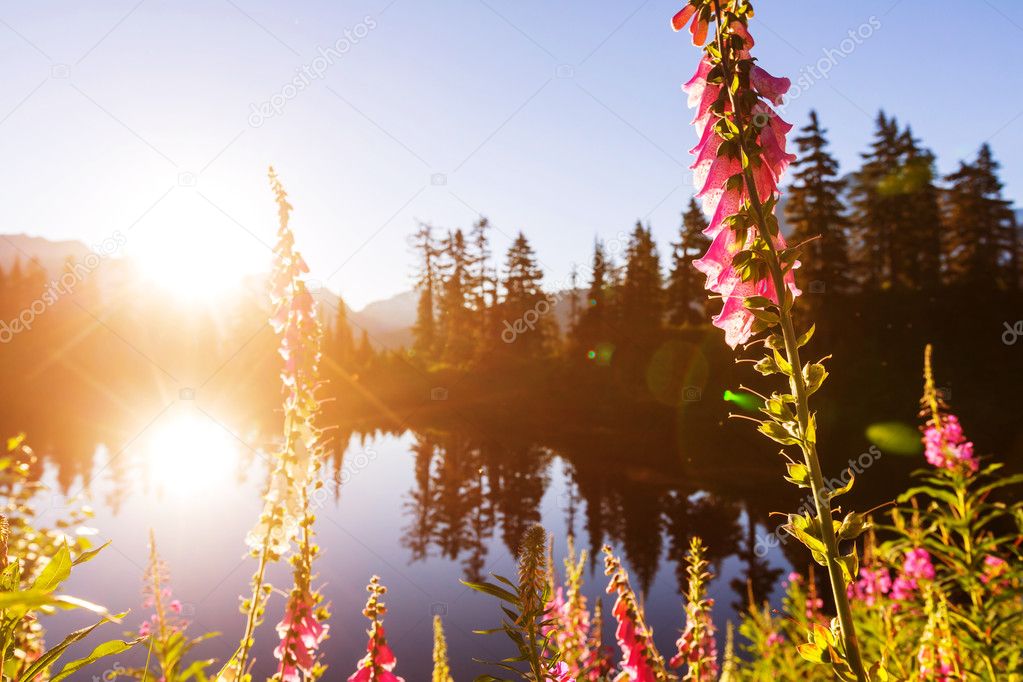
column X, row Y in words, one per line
column 169, row 643
column 35, row 562
column 571, row 628
column 939, row 599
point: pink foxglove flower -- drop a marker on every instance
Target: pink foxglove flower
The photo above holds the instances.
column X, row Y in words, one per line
column 697, row 647
column 378, row 663
column 718, row 178
column 698, row 25
column 641, row 662
column 301, row 633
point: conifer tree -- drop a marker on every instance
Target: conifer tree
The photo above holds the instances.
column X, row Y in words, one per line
column 456, row 329
column 427, row 282
column 525, row 309
column 341, row 347
column 594, row 324
column 982, row 247
column 685, row 296
column 814, row 210
column 642, row 308
column 876, row 206
column 365, row 354
column 916, row 242
column 482, row 287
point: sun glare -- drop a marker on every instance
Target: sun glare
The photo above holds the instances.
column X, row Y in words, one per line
column 195, row 252
column 188, row 453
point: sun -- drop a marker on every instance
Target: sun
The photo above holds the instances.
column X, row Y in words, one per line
column 178, row 269
column 188, row 453
column 195, row 252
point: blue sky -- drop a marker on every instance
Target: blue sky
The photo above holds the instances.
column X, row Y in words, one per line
column 561, row 119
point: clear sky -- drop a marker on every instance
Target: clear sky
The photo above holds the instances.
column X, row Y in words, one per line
column 563, row 119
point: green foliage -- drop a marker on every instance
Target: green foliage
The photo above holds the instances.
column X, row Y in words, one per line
column 34, row 563
column 527, row 619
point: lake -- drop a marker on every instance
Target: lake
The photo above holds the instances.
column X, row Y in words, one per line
column 420, row 509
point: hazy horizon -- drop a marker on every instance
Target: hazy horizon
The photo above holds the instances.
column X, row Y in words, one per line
column 160, row 120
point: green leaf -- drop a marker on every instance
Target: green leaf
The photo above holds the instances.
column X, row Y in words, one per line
column 798, row 474
column 90, row 555
column 811, row 653
column 850, row 565
column 767, row 366
column 798, row 531
column 777, row 433
column 814, row 375
column 806, row 336
column 765, row 316
column 197, row 670
column 845, row 488
column 51, row 656
column 783, row 364
column 28, row 599
column 56, row 571
column 853, row 526
column 111, row 648
column 493, row 591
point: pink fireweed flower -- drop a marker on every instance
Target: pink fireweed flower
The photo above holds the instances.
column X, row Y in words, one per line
column 994, row 568
column 917, row 565
column 715, row 172
column 873, row 584
column 301, row 633
column 903, row 588
column 379, row 661
column 774, row 639
column 946, row 447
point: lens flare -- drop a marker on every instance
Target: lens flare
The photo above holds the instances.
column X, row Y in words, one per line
column 743, row 400
column 895, row 437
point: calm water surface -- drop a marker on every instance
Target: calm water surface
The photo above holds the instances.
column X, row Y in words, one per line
column 421, row 510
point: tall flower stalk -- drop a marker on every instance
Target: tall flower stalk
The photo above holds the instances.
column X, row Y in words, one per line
column 740, row 159
column 641, row 662
column 286, row 515
column 697, row 648
column 378, row 663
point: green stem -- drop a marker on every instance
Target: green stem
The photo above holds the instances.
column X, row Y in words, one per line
column 252, row 617
column 798, row 385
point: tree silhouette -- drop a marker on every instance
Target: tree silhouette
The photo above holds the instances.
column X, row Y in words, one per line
column 685, row 295
column 814, row 210
column 427, row 281
column 982, row 248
